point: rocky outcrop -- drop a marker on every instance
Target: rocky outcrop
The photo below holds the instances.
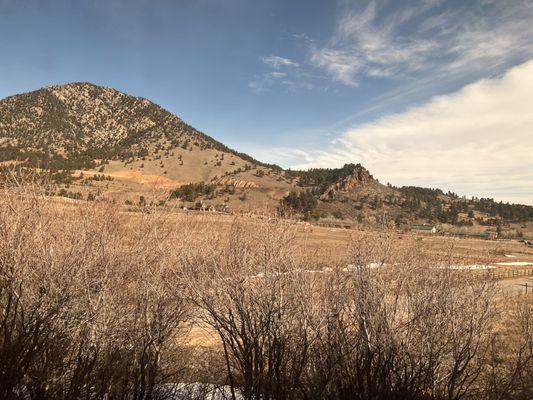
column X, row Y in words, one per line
column 358, row 178
column 238, row 183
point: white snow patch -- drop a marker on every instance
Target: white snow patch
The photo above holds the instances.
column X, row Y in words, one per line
column 515, row 263
column 354, row 267
column 197, row 391
column 472, row 267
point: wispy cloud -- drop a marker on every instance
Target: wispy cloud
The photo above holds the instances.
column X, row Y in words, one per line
column 277, row 75
column 341, row 65
column 384, row 40
column 283, row 71
column 279, row 62
column 475, row 141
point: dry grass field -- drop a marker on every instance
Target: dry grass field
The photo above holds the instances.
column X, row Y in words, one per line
column 331, row 245
column 106, row 301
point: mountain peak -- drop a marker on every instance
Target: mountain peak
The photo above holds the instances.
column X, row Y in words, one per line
column 81, row 118
column 78, row 84
column 85, row 92
column 84, row 123
column 83, row 85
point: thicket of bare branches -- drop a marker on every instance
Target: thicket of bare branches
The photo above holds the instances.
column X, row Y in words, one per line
column 395, row 324
column 89, row 304
column 96, row 303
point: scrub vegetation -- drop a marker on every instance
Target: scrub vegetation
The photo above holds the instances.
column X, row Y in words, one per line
column 97, row 303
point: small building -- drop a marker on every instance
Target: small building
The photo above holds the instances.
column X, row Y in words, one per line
column 424, row 229
column 477, row 235
column 484, row 235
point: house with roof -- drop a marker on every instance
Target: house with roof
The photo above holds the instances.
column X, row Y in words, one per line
column 432, row 229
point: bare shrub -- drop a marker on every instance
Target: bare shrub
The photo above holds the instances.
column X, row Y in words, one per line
column 89, row 307
column 249, row 288
column 404, row 327
column 396, row 323
column 97, row 303
column 509, row 364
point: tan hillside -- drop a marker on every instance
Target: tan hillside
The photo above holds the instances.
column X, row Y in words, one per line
column 138, row 147
column 101, row 143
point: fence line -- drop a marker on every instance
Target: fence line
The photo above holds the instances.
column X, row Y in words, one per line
column 512, row 273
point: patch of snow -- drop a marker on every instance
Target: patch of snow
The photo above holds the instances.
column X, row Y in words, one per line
column 372, row 265
column 515, row 264
column 472, row 267
column 195, row 391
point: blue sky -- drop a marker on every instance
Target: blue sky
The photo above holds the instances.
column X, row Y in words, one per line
column 308, row 83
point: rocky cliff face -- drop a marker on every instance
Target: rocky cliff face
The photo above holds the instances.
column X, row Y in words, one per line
column 238, row 183
column 358, row 178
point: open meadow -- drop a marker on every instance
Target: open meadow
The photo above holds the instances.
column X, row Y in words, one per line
column 326, row 245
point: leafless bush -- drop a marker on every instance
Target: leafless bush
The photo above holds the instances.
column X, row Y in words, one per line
column 248, row 286
column 403, row 327
column 96, row 303
column 89, row 307
column 397, row 323
column 509, row 364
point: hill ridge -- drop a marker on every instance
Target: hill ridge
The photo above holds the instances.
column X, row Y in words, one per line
column 132, row 145
column 100, row 121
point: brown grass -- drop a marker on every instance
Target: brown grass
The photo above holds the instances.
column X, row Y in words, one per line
column 97, row 301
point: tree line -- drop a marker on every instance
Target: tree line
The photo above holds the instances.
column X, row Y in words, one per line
column 321, row 178
column 191, row 191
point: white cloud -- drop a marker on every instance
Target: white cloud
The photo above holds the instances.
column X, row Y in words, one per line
column 286, row 73
column 384, row 40
column 477, row 141
column 342, row 65
column 277, row 75
column 279, row 62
